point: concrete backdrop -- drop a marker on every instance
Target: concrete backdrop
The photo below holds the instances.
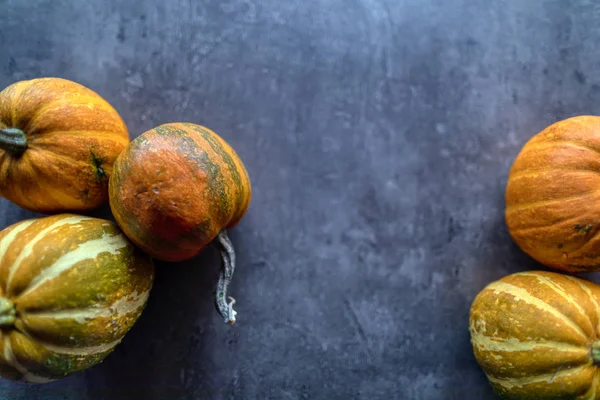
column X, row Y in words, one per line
column 378, row 136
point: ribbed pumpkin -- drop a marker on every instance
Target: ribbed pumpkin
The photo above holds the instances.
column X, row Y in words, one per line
column 553, row 195
column 71, row 287
column 175, row 189
column 58, row 141
column 536, row 336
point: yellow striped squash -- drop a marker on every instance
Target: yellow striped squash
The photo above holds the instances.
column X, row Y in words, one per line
column 71, row 287
column 535, row 335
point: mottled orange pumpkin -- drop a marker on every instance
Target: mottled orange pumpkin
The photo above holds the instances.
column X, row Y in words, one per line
column 536, row 336
column 175, row 189
column 58, row 141
column 553, row 195
column 71, row 287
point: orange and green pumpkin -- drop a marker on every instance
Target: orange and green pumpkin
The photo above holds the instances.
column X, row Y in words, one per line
column 175, row 189
column 536, row 336
column 553, row 195
column 58, row 141
column 71, row 287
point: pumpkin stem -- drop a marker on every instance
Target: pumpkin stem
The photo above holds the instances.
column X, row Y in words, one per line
column 13, row 141
column 596, row 352
column 227, row 268
column 8, row 314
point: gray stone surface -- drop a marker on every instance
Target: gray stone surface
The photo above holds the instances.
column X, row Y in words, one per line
column 378, row 135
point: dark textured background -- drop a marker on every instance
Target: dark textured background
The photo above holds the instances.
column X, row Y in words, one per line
column 378, row 135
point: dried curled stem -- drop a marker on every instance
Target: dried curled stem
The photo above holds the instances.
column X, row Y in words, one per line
column 227, row 268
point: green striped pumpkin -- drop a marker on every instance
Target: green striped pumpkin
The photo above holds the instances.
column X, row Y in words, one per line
column 177, row 188
column 71, row 287
column 536, row 336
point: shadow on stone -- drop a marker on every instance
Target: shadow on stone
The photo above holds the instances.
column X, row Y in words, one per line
column 162, row 355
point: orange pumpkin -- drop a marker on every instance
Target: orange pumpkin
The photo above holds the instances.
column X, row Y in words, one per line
column 58, row 141
column 175, row 189
column 536, row 336
column 553, row 195
column 71, row 287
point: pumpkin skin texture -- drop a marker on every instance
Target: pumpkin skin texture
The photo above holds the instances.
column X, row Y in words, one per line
column 553, row 196
column 71, row 287
column 175, row 189
column 58, row 142
column 535, row 335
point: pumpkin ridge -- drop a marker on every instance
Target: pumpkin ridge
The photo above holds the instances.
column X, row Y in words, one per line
column 76, row 351
column 587, row 290
column 119, row 307
column 4, row 360
column 38, row 114
column 83, row 100
column 595, row 383
column 518, row 207
column 522, row 294
column 7, row 240
column 101, row 135
column 85, row 251
column 510, row 383
column 510, row 345
column 3, row 161
column 87, row 167
column 542, row 144
column 590, row 394
column 530, row 172
column 10, row 171
column 49, row 191
column 11, row 359
column 550, row 225
column 60, row 156
column 549, row 283
column 588, row 241
column 18, row 92
column 28, row 248
column 84, row 313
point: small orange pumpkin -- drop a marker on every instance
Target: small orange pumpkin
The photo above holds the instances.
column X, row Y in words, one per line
column 175, row 189
column 536, row 335
column 58, row 141
column 553, row 195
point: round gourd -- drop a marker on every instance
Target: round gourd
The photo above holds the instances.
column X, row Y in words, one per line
column 535, row 335
column 175, row 189
column 71, row 287
column 553, row 195
column 58, row 141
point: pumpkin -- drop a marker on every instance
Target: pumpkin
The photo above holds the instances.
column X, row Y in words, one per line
column 553, row 196
column 175, row 189
column 58, row 141
column 535, row 335
column 71, row 287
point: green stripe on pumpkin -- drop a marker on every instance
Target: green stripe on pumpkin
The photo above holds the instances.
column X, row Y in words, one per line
column 227, row 159
column 32, row 358
column 90, row 326
column 106, row 278
column 215, row 181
